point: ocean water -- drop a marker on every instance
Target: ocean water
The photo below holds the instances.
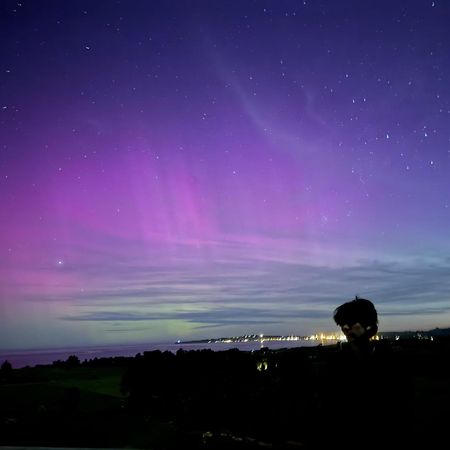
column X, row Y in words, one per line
column 31, row 358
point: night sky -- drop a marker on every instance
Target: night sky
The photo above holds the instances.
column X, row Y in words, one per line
column 190, row 169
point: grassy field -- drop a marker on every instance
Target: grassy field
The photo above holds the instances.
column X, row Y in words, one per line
column 48, row 406
column 99, row 389
column 108, row 385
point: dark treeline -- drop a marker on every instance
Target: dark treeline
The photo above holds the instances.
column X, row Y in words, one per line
column 284, row 396
column 222, row 391
column 227, row 399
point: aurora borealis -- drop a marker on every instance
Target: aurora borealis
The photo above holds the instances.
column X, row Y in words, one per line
column 185, row 169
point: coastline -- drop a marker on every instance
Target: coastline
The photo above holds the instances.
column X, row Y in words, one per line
column 23, row 358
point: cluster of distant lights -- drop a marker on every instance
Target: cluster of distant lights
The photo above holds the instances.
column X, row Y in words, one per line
column 318, row 337
column 263, row 338
column 339, row 337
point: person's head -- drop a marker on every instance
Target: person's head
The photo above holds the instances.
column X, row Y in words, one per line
column 358, row 319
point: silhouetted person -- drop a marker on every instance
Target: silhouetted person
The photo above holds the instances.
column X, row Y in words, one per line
column 358, row 320
column 363, row 385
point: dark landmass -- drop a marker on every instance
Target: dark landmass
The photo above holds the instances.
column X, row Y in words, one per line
column 215, row 400
column 436, row 332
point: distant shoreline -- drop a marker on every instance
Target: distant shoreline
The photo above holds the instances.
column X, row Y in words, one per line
column 23, row 358
column 30, row 357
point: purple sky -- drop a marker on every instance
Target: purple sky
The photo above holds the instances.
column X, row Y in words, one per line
column 188, row 169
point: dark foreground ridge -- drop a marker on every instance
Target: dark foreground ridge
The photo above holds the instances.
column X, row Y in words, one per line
column 220, row 400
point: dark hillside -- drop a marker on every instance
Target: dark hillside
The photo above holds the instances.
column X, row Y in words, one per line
column 229, row 399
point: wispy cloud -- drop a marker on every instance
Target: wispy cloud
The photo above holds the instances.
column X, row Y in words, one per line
column 240, row 284
column 279, row 293
column 212, row 317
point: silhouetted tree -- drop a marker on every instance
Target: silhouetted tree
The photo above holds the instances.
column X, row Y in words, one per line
column 6, row 370
column 72, row 361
